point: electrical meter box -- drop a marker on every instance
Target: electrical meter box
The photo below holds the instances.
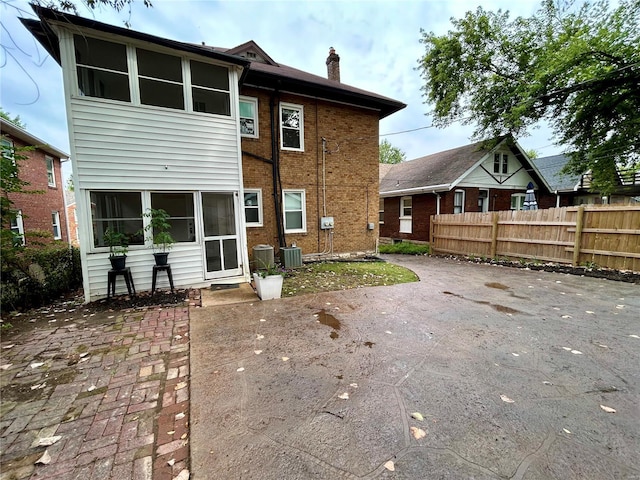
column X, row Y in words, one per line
column 326, row 223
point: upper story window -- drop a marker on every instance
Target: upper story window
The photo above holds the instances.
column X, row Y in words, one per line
column 249, row 117
column 102, row 68
column 210, row 88
column 253, row 207
column 51, row 175
column 500, row 163
column 157, row 79
column 55, row 225
column 291, row 127
column 160, row 79
column 458, row 201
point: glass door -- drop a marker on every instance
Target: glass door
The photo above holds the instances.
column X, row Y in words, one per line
column 221, row 254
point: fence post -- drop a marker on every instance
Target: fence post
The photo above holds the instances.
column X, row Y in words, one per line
column 494, row 235
column 578, row 239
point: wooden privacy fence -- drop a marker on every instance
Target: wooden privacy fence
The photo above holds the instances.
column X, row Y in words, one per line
column 603, row 236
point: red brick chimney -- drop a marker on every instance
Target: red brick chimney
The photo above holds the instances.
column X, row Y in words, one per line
column 333, row 65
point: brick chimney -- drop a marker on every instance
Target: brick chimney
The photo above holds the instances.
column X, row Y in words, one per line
column 333, row 65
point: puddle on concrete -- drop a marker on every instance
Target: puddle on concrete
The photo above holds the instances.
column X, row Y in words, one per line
column 329, row 320
column 497, row 285
column 499, row 308
column 334, row 335
column 503, row 309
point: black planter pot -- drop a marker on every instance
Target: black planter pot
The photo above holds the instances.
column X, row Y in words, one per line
column 118, row 262
column 161, row 258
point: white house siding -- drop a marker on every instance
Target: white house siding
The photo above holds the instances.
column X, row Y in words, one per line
column 480, row 178
column 124, row 147
column 186, row 266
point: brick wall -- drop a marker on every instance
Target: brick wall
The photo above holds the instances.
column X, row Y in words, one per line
column 37, row 208
column 424, row 205
column 351, row 172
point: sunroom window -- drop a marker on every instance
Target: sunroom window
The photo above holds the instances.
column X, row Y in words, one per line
column 160, row 79
column 119, row 211
column 210, row 88
column 180, row 208
column 102, row 68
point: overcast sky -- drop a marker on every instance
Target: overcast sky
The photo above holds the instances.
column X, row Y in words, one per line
column 378, row 44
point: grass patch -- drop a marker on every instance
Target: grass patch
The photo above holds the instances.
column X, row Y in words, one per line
column 406, row 248
column 331, row 276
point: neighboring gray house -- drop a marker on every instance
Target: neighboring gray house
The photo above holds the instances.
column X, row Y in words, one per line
column 572, row 189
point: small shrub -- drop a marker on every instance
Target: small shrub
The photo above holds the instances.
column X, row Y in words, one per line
column 406, row 248
column 36, row 276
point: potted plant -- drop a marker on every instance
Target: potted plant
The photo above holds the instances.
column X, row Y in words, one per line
column 157, row 230
column 118, row 247
column 268, row 282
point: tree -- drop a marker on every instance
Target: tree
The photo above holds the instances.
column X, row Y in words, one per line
column 577, row 67
column 17, row 121
column 391, row 154
column 70, row 6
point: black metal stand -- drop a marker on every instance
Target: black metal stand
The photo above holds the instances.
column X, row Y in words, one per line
column 160, row 268
column 111, row 281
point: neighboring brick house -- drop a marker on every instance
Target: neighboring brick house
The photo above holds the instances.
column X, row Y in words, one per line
column 481, row 177
column 238, row 149
column 42, row 168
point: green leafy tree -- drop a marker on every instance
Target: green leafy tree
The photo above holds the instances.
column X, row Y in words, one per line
column 17, row 121
column 390, row 154
column 532, row 154
column 576, row 66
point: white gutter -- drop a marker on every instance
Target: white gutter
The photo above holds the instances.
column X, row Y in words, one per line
column 409, row 191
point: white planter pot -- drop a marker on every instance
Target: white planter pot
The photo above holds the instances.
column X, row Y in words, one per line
column 268, row 287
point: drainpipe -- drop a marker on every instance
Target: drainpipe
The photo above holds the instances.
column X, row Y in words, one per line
column 275, row 171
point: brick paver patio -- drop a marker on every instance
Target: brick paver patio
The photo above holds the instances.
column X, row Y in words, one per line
column 109, row 393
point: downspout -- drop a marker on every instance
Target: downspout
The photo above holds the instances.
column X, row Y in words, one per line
column 275, row 172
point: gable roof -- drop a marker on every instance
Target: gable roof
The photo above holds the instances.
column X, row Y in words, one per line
column 264, row 72
column 550, row 168
column 443, row 170
column 8, row 128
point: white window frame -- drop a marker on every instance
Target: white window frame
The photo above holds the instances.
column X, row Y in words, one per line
column 501, row 160
column 254, row 102
column 519, row 203
column 51, row 171
column 406, row 221
column 258, row 191
column 381, row 211
column 17, row 227
column 458, row 194
column 292, row 106
column 303, row 212
column 134, row 79
column 55, row 225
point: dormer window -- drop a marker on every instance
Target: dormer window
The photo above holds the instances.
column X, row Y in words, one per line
column 251, row 55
